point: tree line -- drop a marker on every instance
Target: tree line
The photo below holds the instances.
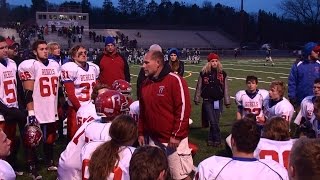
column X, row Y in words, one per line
column 298, row 22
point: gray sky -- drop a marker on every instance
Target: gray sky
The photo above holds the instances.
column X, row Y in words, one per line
column 249, row 5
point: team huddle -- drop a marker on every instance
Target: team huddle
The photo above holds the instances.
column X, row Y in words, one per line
column 110, row 136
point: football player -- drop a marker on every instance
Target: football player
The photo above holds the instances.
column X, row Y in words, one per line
column 79, row 78
column 307, row 107
column 275, row 142
column 108, row 105
column 40, row 78
column 6, row 171
column 242, row 165
column 250, row 101
column 9, row 112
column 276, row 104
column 123, row 133
column 88, row 111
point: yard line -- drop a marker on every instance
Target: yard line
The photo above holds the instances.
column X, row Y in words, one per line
column 270, row 77
column 134, row 75
column 281, row 77
column 273, row 67
column 253, row 71
column 231, row 78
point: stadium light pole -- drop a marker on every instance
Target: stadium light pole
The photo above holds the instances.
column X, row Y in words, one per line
column 242, row 21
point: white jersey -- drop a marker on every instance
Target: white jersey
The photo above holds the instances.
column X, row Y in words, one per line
column 119, row 172
column 6, row 171
column 249, row 104
column 134, row 110
column 83, row 79
column 45, row 91
column 221, row 168
column 70, row 161
column 306, row 109
column 276, row 150
column 86, row 112
column 282, row 109
column 8, row 85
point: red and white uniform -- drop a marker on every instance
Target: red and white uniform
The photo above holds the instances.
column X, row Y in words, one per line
column 282, row 109
column 83, row 79
column 134, row 110
column 8, row 85
column 45, row 91
column 70, row 161
column 276, row 150
column 251, row 104
column 6, row 171
column 119, row 172
column 86, row 112
column 219, row 168
column 306, row 109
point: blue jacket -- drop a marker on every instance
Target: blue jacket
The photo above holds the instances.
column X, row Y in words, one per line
column 60, row 60
column 301, row 79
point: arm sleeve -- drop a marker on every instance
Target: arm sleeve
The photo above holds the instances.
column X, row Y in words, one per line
column 197, row 93
column 70, row 89
column 141, row 118
column 126, row 70
column 182, row 108
column 141, row 78
column 292, row 82
column 181, row 68
column 226, row 91
column 4, row 109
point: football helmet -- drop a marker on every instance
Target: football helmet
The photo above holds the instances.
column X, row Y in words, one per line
column 32, row 135
column 111, row 104
column 122, row 86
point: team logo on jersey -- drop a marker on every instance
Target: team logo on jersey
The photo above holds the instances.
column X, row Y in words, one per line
column 160, row 92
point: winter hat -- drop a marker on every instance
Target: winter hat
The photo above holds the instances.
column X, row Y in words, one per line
column 10, row 42
column 155, row 47
column 212, row 56
column 109, row 40
column 174, row 51
column 308, row 48
column 316, row 49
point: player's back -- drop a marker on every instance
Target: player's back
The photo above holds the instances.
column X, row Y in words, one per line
column 122, row 170
column 97, row 131
column 276, row 150
column 222, row 168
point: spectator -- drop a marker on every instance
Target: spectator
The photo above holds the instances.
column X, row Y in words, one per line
column 164, row 114
column 302, row 75
column 243, row 165
column 148, row 162
column 176, row 65
column 113, row 66
column 268, row 57
column 6, row 171
column 55, row 53
column 213, row 87
column 304, row 159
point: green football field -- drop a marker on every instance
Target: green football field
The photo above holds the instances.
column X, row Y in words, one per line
column 237, row 71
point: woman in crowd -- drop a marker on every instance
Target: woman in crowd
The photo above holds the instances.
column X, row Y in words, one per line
column 212, row 86
column 176, row 65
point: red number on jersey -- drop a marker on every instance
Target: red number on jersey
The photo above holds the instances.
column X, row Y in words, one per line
column 65, row 74
column 85, row 92
column 47, row 85
column 76, row 139
column 81, row 120
column 25, row 75
column 255, row 111
column 117, row 171
column 275, row 156
column 8, row 90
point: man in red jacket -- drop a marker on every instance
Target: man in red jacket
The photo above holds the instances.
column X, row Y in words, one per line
column 112, row 65
column 164, row 114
